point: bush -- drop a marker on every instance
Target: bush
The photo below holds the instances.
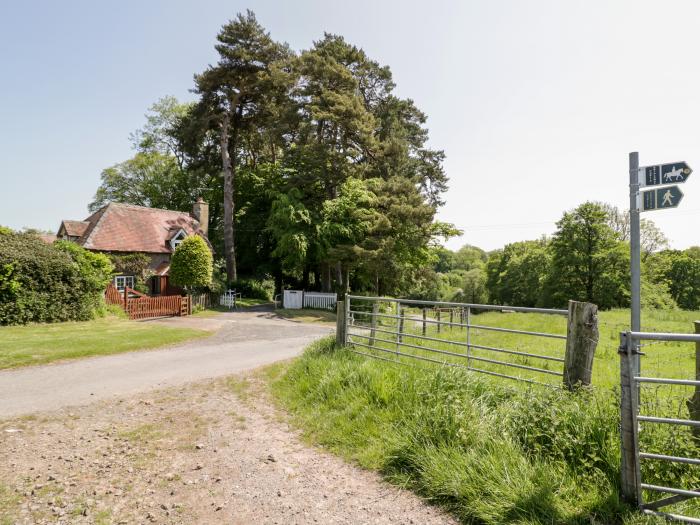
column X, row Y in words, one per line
column 254, row 288
column 191, row 265
column 49, row 283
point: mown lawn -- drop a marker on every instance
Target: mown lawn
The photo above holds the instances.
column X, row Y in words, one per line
column 43, row 343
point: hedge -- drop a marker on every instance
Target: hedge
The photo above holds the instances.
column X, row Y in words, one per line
column 46, row 283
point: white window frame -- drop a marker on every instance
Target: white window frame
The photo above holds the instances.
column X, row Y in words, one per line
column 178, row 238
column 123, row 281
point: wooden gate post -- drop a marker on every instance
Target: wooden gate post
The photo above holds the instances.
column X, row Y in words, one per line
column 424, row 316
column 581, row 342
column 340, row 326
column 694, row 402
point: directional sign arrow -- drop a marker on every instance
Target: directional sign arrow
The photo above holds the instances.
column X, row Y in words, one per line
column 678, row 172
column 661, row 198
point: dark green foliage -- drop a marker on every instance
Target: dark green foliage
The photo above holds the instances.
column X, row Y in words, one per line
column 191, row 264
column 254, row 288
column 49, row 283
column 516, row 274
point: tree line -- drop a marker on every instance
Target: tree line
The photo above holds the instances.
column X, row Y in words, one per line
column 586, row 259
column 316, row 172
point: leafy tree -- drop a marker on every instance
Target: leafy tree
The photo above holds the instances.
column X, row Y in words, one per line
column 445, row 259
column 517, row 274
column 469, row 257
column 587, row 259
column 678, row 272
column 652, row 238
column 683, row 279
column 473, row 288
column 148, row 179
column 192, row 263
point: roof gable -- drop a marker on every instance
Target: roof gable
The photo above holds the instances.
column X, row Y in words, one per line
column 73, row 228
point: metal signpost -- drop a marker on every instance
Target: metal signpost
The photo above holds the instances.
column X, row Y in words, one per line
column 666, row 196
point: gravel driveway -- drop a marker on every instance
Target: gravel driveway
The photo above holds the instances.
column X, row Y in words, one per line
column 243, row 340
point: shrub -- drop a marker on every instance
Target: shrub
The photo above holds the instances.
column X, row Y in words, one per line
column 254, row 288
column 49, row 283
column 191, row 264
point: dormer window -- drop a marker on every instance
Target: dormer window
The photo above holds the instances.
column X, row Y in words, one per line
column 177, row 239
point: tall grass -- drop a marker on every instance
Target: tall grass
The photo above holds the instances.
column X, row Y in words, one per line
column 490, row 450
column 487, row 452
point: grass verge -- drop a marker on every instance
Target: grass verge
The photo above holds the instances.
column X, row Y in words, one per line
column 489, row 452
column 308, row 315
column 44, row 343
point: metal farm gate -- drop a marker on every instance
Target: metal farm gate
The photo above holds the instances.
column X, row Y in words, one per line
column 478, row 337
column 660, row 424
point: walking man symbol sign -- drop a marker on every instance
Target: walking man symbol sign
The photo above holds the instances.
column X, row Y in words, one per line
column 661, row 198
column 668, row 200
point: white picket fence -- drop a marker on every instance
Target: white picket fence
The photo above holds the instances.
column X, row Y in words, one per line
column 322, row 301
column 295, row 299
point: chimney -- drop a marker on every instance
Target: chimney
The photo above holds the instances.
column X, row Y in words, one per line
column 200, row 211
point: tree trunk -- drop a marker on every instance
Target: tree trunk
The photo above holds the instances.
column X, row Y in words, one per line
column 229, row 210
column 305, row 278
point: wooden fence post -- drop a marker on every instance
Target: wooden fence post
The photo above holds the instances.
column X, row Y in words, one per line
column 424, row 316
column 437, row 318
column 694, row 402
column 373, row 323
column 340, row 327
column 581, row 342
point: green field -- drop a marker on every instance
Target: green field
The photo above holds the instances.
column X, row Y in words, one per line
column 43, row 343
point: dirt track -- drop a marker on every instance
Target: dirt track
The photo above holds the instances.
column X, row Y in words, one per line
column 210, row 452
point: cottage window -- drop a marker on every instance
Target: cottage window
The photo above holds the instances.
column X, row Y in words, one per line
column 177, row 239
column 124, row 281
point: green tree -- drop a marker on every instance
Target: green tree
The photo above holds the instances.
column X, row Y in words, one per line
column 587, row 259
column 238, row 97
column 191, row 264
column 516, row 275
column 469, row 257
column 473, row 287
column 148, row 179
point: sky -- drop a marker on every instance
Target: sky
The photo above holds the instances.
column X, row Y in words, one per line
column 536, row 103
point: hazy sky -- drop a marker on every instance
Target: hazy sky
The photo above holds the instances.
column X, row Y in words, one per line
column 536, row 103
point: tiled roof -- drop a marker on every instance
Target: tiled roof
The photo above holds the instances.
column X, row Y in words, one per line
column 48, row 238
column 120, row 227
column 75, row 228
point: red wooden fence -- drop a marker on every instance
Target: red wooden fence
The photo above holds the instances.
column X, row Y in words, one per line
column 141, row 306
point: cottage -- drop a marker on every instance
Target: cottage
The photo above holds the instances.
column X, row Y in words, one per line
column 122, row 229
